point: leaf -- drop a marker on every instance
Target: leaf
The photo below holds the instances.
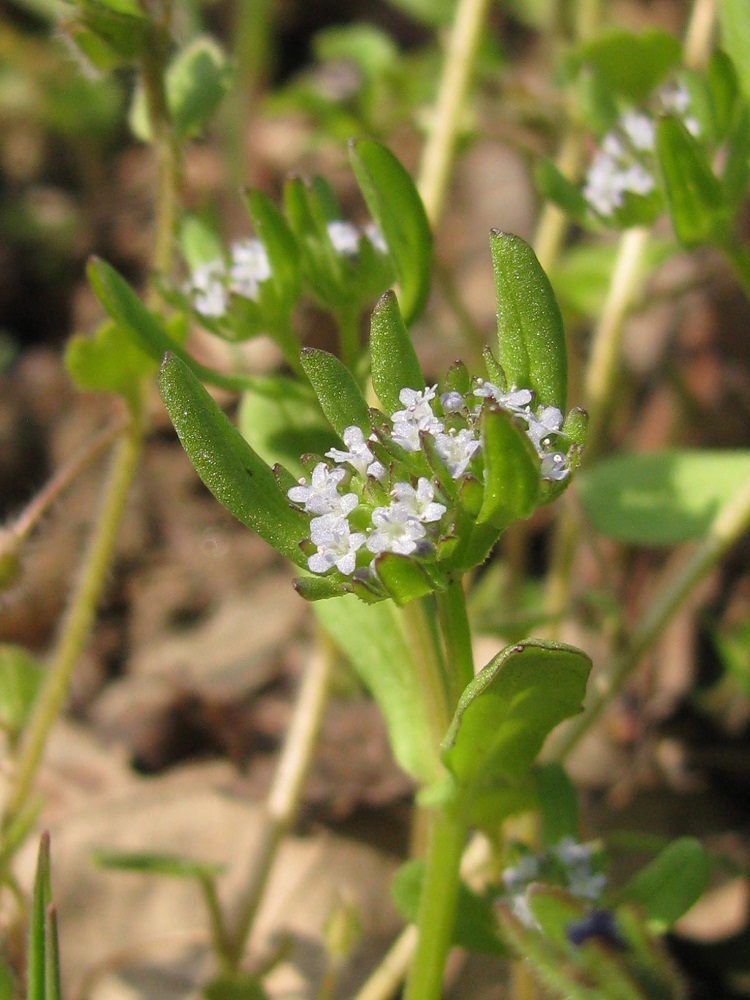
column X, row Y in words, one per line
column 402, row 577
column 558, row 806
column 433, row 13
column 734, row 22
column 233, row 472
column 511, row 471
column 531, row 340
column 281, row 420
column 374, row 639
column 280, row 244
column 146, row 329
column 558, row 189
column 661, row 498
column 21, row 677
column 694, row 196
column 196, row 81
column 509, row 709
column 338, row 393
column 396, row 207
column 394, row 361
column 108, row 362
column 475, row 924
column 199, row 242
column 630, row 64
column 38, row 941
column 151, row 863
column 667, row 887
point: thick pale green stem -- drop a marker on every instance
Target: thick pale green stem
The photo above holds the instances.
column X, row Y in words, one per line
column 77, row 622
column 437, row 157
column 437, row 906
column 729, row 525
column 284, row 796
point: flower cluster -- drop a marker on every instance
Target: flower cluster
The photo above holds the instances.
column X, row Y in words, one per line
column 569, row 864
column 625, row 162
column 397, row 490
column 211, row 285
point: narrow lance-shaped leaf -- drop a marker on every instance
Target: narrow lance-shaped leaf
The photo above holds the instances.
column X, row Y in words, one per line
column 508, row 710
column 233, row 472
column 394, row 361
column 396, row 207
column 511, row 471
column 694, row 196
column 40, row 900
column 337, row 391
column 277, row 238
column 531, row 340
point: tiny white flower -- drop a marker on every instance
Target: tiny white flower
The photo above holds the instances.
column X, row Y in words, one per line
column 336, row 543
column 406, row 434
column 359, row 455
column 554, row 466
column 548, row 421
column 345, row 237
column 640, row 129
column 249, row 268
column 419, row 503
column 416, row 416
column 603, row 189
column 208, row 289
column 637, row 179
column 395, row 530
column 452, row 401
column 322, row 496
column 457, row 450
column 516, row 400
column 373, row 234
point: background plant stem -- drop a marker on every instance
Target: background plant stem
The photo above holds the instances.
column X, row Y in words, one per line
column 439, row 150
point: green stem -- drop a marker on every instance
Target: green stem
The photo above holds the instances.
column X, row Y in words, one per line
column 728, row 526
column 252, row 31
column 79, row 617
column 437, row 906
column 220, row 939
column 454, row 625
column 283, row 798
column 437, row 157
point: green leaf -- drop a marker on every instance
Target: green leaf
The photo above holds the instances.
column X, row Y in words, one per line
column 21, row 677
column 234, row 986
column 558, row 806
column 146, row 329
column 281, row 420
column 734, row 21
column 51, row 956
column 152, row 863
column 199, row 242
column 38, row 943
column 558, row 189
column 108, row 362
column 280, row 244
column 631, row 64
column 694, row 196
column 531, row 340
column 120, row 26
column 233, row 472
column 402, row 577
column 338, row 393
column 378, row 646
column 511, row 471
column 396, row 207
column 196, row 81
column 394, row 361
column 475, row 924
column 370, row 49
column 661, row 498
column 508, row 710
column 433, row 13
column 667, row 887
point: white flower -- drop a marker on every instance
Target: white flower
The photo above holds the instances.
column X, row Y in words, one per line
column 548, row 421
column 208, row 289
column 359, row 455
column 420, row 502
column 640, row 129
column 395, row 530
column 517, row 400
column 554, row 466
column 452, row 401
column 375, row 237
column 249, row 268
column 322, row 496
column 345, row 237
column 417, row 416
column 611, row 177
column 456, row 450
column 336, row 543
